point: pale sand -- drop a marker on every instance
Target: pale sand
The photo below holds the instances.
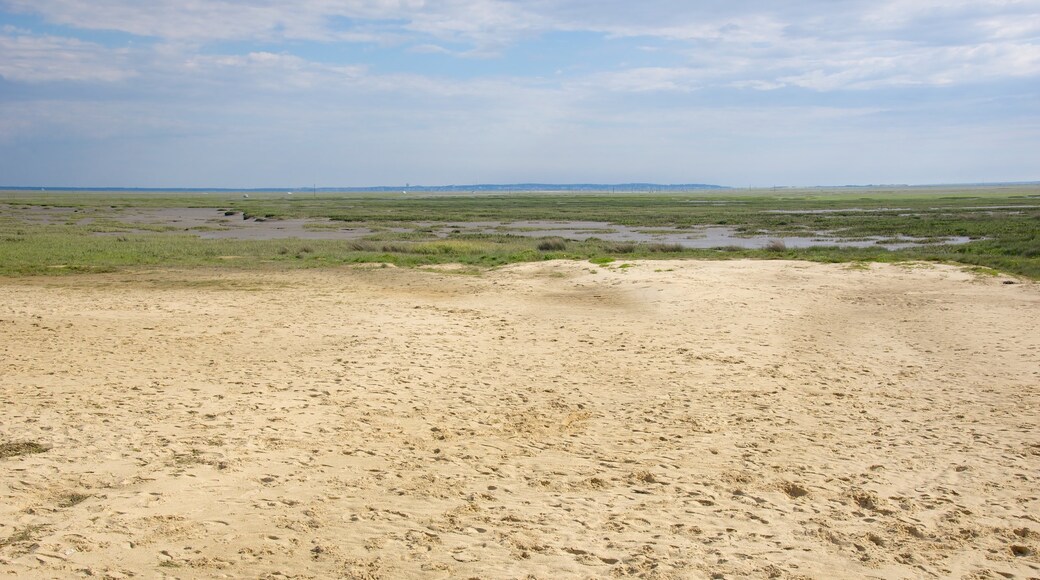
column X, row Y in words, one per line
column 558, row 420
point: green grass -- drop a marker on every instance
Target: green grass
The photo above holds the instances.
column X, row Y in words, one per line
column 1002, row 223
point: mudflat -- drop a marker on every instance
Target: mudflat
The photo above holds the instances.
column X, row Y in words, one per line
column 658, row 419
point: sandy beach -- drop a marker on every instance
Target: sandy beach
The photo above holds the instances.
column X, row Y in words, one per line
column 679, row 419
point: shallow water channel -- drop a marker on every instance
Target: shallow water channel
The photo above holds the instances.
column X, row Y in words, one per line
column 211, row 224
column 703, row 237
column 693, row 237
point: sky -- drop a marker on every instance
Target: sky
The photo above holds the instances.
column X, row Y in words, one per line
column 264, row 93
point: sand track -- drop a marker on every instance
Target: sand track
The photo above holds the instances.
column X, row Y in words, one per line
column 671, row 419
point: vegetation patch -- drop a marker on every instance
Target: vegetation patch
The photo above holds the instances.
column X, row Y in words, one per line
column 665, row 248
column 25, row 535
column 552, row 245
column 16, row 448
column 983, row 271
column 72, row 499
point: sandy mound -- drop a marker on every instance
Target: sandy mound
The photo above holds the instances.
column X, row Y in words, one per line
column 668, row 419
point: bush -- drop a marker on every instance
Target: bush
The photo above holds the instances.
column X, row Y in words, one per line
column 552, row 245
column 665, row 247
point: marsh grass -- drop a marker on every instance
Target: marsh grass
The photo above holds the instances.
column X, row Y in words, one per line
column 1002, row 223
column 984, row 273
column 390, row 236
column 553, row 244
column 450, row 247
column 618, row 247
column 665, row 248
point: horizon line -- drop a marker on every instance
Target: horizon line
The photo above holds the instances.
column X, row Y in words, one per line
column 519, row 186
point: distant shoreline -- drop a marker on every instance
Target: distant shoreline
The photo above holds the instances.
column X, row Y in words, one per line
column 521, row 187
column 481, row 187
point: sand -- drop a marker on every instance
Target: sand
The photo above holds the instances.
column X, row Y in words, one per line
column 553, row 420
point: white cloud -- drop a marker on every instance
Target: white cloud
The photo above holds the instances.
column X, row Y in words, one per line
column 907, row 66
column 645, row 79
column 34, row 58
column 263, row 70
column 854, row 44
column 209, row 20
column 641, row 93
column 827, row 46
column 182, row 19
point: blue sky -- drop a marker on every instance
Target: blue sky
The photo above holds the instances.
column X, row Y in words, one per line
column 239, row 93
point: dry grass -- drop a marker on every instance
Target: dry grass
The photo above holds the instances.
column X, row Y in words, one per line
column 16, row 448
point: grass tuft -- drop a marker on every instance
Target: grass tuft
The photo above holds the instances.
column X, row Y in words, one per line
column 552, row 245
column 25, row 535
column 16, row 448
column 73, row 499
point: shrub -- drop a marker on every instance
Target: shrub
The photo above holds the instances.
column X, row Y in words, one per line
column 552, row 245
column 665, row 247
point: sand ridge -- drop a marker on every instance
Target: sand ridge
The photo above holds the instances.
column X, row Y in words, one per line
column 674, row 419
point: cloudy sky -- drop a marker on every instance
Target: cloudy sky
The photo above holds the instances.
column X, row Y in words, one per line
column 255, row 93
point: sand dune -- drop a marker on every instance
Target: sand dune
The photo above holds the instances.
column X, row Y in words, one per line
column 552, row 420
